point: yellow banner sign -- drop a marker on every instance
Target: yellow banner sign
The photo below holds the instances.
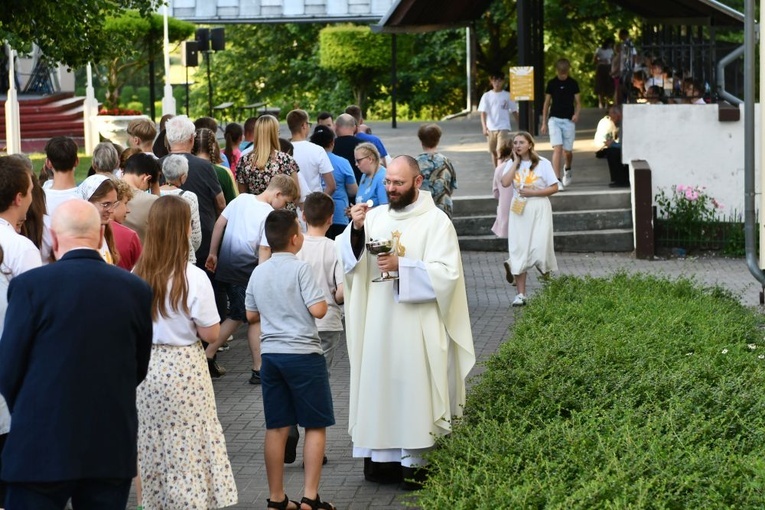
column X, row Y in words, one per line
column 522, row 83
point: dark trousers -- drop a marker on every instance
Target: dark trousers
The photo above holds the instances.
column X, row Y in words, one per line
column 90, row 494
column 620, row 174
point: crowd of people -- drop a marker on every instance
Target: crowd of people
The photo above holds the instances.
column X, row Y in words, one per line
column 192, row 240
column 624, row 75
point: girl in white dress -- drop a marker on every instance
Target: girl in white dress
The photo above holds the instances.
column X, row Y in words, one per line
column 530, row 225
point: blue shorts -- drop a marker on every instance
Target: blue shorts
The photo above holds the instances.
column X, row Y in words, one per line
column 296, row 391
column 235, row 294
column 562, row 132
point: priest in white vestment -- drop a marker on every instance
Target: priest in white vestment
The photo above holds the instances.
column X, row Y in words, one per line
column 409, row 341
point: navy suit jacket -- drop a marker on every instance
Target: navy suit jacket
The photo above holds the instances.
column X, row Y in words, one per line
column 76, row 343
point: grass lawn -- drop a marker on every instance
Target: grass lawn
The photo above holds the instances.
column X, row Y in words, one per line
column 80, row 173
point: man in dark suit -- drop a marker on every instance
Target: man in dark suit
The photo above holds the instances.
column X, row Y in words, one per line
column 76, row 344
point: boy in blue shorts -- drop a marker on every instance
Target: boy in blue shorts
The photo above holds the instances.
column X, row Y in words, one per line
column 282, row 295
column 560, row 113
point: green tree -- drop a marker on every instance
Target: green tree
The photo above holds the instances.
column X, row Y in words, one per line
column 357, row 55
column 273, row 63
column 67, row 31
column 431, row 74
column 134, row 41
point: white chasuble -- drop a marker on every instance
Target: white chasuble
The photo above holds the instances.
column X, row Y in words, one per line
column 409, row 343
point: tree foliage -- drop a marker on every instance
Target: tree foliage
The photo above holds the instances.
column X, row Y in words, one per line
column 133, row 41
column 67, row 31
column 273, row 63
column 356, row 54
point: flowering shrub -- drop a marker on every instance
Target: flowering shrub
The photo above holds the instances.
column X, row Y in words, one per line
column 119, row 111
column 688, row 210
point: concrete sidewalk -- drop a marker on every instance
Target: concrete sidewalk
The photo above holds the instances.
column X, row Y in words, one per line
column 240, row 408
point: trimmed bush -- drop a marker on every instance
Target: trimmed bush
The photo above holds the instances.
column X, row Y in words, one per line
column 628, row 392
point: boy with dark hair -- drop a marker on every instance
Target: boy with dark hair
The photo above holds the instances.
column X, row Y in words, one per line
column 283, row 297
column 141, row 171
column 249, row 135
column 345, row 180
column 355, row 112
column 326, row 119
column 238, row 245
column 61, row 154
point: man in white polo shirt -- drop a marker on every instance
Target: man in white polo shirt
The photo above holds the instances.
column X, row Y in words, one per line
column 312, row 160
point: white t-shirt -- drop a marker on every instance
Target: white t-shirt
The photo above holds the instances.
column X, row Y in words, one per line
column 320, row 254
column 56, row 197
column 179, row 328
column 312, row 161
column 19, row 255
column 497, row 106
column 604, row 55
column 245, row 234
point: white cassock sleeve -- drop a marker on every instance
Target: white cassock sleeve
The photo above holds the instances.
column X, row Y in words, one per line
column 413, row 285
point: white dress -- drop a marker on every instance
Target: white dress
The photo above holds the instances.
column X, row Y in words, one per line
column 530, row 234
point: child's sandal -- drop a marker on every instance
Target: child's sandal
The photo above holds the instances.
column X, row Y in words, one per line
column 282, row 505
column 316, row 504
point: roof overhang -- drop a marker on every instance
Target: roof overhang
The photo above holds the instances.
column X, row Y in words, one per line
column 430, row 15
column 686, row 12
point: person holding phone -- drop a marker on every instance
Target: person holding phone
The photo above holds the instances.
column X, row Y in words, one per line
column 530, row 225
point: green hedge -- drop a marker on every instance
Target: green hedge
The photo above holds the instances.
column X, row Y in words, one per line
column 628, row 392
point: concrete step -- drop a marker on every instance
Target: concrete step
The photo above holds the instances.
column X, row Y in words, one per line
column 561, row 202
column 562, row 221
column 611, row 240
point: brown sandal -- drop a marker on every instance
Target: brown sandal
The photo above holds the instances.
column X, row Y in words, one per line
column 317, row 504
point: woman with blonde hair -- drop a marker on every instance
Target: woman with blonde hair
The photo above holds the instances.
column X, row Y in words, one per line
column 256, row 168
column 530, row 223
column 371, row 185
column 182, row 458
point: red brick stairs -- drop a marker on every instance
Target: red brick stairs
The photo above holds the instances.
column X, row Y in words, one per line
column 43, row 117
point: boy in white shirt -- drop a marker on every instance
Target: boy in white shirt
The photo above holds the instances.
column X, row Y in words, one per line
column 496, row 107
column 238, row 245
column 319, row 252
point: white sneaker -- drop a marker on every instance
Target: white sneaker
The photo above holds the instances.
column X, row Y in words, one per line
column 560, row 185
column 520, row 300
column 567, row 177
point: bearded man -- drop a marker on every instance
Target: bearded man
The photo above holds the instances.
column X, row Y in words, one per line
column 409, row 340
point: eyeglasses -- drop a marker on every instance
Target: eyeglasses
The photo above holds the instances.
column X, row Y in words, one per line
column 396, row 184
column 108, row 206
column 362, row 159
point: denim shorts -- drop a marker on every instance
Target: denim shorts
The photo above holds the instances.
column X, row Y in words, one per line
column 562, row 132
column 235, row 294
column 296, row 391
